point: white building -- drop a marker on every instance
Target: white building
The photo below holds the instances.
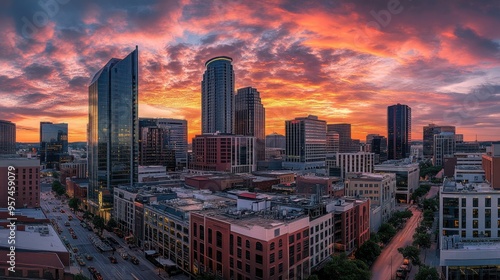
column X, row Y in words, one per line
column 153, row 171
column 124, row 209
column 407, row 177
column 355, row 162
column 378, row 187
column 444, row 146
column 469, row 173
column 469, row 216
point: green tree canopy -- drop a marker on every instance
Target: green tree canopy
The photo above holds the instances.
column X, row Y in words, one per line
column 342, row 268
column 423, row 240
column 98, row 223
column 112, row 223
column 412, row 253
column 74, row 203
column 386, row 232
column 368, row 252
column 427, row 273
column 58, row 188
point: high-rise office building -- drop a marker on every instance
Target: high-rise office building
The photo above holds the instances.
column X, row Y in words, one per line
column 113, row 131
column 250, row 118
column 159, row 138
column 53, row 144
column 7, row 138
column 444, row 146
column 305, row 143
column 332, row 142
column 275, row 140
column 344, row 131
column 428, row 137
column 224, row 152
column 217, row 96
column 378, row 146
column 398, row 131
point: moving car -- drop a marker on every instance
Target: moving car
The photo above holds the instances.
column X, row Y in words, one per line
column 125, row 256
column 89, row 257
column 134, row 260
column 112, row 259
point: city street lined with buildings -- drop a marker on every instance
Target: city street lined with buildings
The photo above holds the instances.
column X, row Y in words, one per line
column 390, row 259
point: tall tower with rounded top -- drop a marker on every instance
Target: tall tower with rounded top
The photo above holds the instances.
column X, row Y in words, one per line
column 217, row 96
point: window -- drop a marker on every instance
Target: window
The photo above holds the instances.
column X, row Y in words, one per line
column 247, row 244
column 305, row 233
column 247, row 268
column 210, row 252
column 258, row 259
column 209, row 236
column 247, row 255
column 238, row 240
column 487, row 202
column 231, row 244
column 258, row 246
column 239, row 253
column 202, row 232
column 475, row 213
column 280, row 254
column 280, row 243
column 271, row 247
column 239, row 265
column 271, row 271
column 231, row 263
column 475, row 224
column 290, row 239
column 276, row 232
column 195, row 230
column 219, row 239
column 259, row 273
column 271, row 258
column 280, row 268
column 298, row 236
column 475, row 202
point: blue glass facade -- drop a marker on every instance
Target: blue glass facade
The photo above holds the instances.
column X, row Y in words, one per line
column 53, row 144
column 113, row 129
column 217, row 96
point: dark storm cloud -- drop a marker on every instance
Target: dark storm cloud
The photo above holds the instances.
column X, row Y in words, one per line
column 79, row 82
column 37, row 71
column 476, row 44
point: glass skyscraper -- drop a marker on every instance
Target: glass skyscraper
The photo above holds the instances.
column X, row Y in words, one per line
column 113, row 131
column 160, row 136
column 217, row 96
column 305, row 143
column 7, row 137
column 250, row 118
column 398, row 131
column 53, row 144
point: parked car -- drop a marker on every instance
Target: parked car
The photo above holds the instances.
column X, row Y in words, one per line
column 89, row 257
column 125, row 256
column 67, row 224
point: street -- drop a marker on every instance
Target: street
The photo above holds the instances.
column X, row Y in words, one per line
column 124, row 269
column 390, row 259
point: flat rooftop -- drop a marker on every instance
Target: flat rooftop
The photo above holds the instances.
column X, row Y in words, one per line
column 243, row 218
column 469, row 167
column 32, row 240
column 450, row 186
column 366, row 176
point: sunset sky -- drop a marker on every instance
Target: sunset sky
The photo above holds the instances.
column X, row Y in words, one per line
column 344, row 61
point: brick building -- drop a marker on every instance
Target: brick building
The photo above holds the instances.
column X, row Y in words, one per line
column 26, row 175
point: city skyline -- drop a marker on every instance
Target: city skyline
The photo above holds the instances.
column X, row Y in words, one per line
column 323, row 58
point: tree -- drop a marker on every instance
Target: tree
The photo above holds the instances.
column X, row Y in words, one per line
column 342, row 268
column 386, row 232
column 87, row 215
column 430, row 204
column 312, row 277
column 98, row 223
column 422, row 240
column 412, row 253
column 112, row 223
column 427, row 273
column 368, row 252
column 58, row 188
column 74, row 203
column 80, row 276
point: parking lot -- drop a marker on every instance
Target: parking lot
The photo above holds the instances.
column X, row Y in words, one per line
column 82, row 245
